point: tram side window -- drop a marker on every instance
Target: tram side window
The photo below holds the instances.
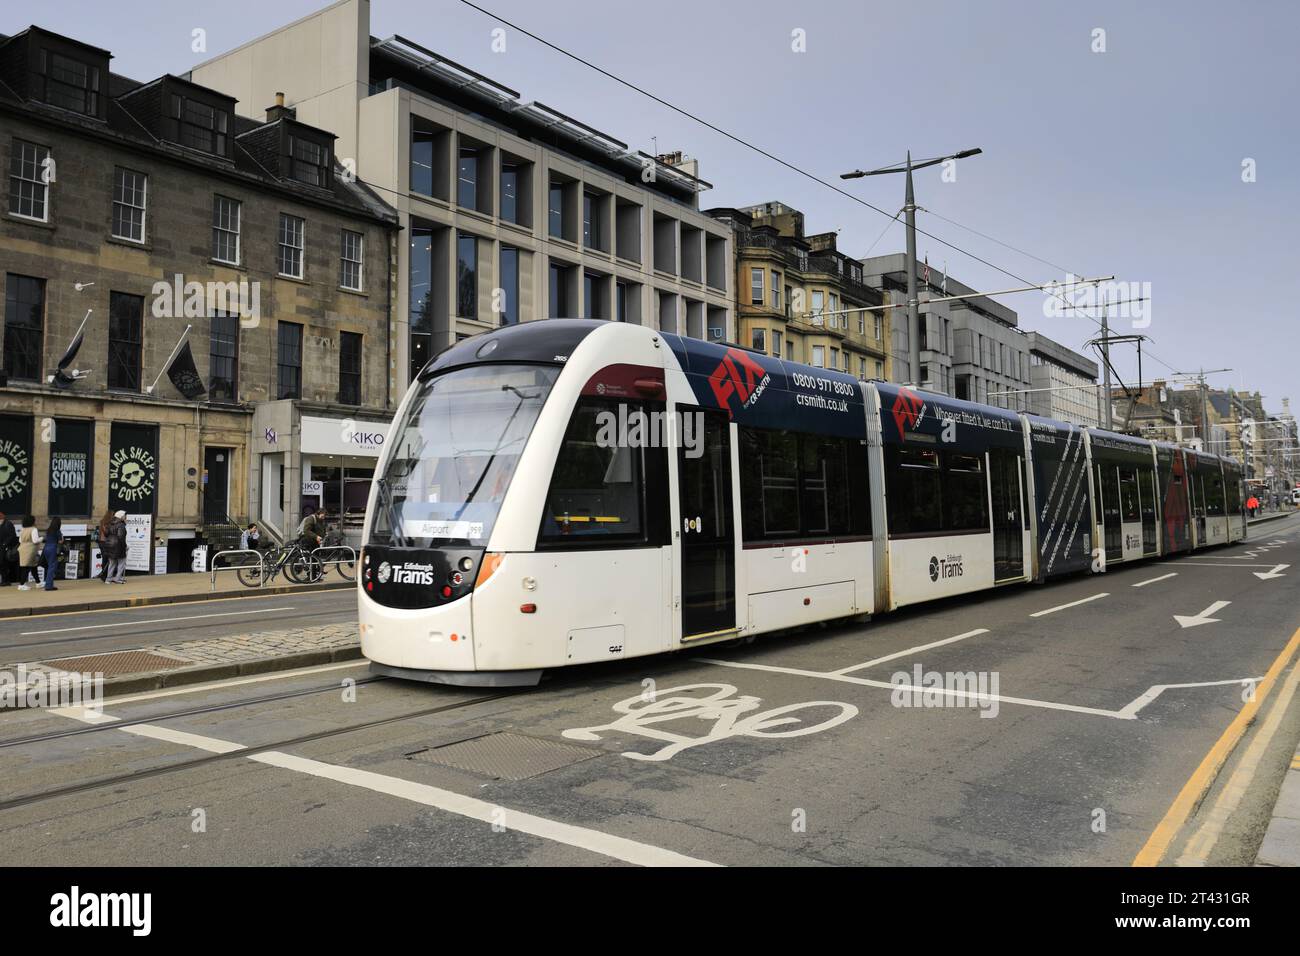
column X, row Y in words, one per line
column 1128, row 495
column 598, row 492
column 1213, row 494
column 935, row 492
column 1234, row 493
column 796, row 485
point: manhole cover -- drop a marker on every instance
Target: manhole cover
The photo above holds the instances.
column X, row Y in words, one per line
column 506, row 755
column 115, row 664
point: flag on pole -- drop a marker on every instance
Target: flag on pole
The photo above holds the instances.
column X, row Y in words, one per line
column 925, row 279
column 184, row 375
column 62, row 377
column 943, row 285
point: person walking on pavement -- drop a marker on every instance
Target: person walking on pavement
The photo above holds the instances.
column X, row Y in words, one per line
column 1252, row 505
column 104, row 524
column 8, row 551
column 115, row 548
column 311, row 530
column 29, row 553
column 50, row 552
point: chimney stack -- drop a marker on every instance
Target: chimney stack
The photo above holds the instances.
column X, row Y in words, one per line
column 274, row 113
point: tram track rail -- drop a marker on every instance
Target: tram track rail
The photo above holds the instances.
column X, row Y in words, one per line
column 100, row 783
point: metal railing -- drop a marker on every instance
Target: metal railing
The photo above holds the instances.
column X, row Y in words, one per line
column 337, row 561
column 261, row 569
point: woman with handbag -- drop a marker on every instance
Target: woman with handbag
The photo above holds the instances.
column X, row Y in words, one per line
column 50, row 554
column 29, row 553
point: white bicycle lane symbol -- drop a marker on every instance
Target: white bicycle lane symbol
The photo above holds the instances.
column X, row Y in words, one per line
column 731, row 716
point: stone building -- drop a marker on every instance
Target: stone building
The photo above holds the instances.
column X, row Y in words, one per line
column 135, row 212
column 800, row 298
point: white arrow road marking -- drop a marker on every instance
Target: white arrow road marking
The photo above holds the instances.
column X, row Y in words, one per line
column 1202, row 618
column 1275, row 573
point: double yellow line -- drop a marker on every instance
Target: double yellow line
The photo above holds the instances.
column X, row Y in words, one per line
column 1202, row 778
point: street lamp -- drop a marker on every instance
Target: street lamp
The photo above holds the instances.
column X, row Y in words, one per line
column 909, row 206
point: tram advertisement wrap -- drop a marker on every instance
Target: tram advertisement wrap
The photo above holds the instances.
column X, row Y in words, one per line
column 1061, row 486
column 765, row 392
column 908, row 416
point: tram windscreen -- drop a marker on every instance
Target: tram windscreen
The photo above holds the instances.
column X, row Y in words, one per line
column 454, row 453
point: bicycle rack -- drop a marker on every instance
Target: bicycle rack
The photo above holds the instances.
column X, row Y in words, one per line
column 336, row 561
column 261, row 566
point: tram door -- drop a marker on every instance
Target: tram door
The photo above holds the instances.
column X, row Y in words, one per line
column 706, row 528
column 1008, row 540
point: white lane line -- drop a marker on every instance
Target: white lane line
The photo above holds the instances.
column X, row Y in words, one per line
column 953, row 694
column 1157, row 689
column 1062, row 607
column 156, row 620
column 86, row 715
column 911, row 650
column 211, row 744
column 619, row 848
column 1206, row 564
column 594, row 841
column 1163, row 577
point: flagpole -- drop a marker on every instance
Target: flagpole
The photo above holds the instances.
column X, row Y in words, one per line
column 167, row 364
column 81, row 328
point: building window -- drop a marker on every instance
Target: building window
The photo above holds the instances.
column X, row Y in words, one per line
column 350, row 260
column 423, row 140
column 818, row 306
column 225, row 230
column 776, row 343
column 291, row 246
column 759, row 340
column 862, row 369
column 199, row 126
column 70, row 84
column 593, row 236
column 29, row 191
column 559, row 293
column 788, row 299
column 510, row 192
column 467, row 178
column 125, row 338
column 129, row 188
column 420, row 297
column 308, row 161
column 289, row 360
column 776, row 290
column 835, row 358
column 620, row 301
column 509, row 285
column 879, row 328
column 223, row 358
column 24, row 326
column 555, row 209
column 466, row 276
column 349, row 368
column 756, row 286
column 819, row 356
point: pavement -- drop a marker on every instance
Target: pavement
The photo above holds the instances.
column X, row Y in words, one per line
column 1115, row 719
column 1281, row 846
column 141, row 590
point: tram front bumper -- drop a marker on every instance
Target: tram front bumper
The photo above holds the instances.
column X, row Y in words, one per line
column 425, row 639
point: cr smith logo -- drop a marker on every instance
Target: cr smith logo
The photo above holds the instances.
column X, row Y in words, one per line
column 908, row 409
column 739, row 375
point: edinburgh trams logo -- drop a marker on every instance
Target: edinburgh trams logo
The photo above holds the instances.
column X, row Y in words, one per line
column 908, row 409
column 14, row 467
column 407, row 573
column 947, row 567
column 740, row 376
column 385, row 572
column 131, row 473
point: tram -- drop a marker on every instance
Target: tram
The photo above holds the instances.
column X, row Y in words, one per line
column 570, row 491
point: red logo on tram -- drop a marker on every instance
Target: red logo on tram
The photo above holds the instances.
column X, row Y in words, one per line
column 906, row 410
column 737, row 374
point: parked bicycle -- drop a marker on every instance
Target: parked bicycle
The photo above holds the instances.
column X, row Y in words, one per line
column 298, row 565
column 342, row 559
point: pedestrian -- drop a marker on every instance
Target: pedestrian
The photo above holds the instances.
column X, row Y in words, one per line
column 311, row 529
column 50, row 552
column 248, row 541
column 8, row 551
column 29, row 552
column 116, row 549
column 104, row 524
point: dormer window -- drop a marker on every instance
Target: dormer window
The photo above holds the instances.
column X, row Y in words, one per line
column 69, row 83
column 308, row 161
column 200, row 125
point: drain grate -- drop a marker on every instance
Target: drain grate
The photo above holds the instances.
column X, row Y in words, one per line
column 505, row 755
column 116, row 663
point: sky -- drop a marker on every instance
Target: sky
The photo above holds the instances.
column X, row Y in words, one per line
column 1167, row 158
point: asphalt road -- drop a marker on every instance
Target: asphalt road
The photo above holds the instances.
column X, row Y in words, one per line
column 92, row 632
column 794, row 749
